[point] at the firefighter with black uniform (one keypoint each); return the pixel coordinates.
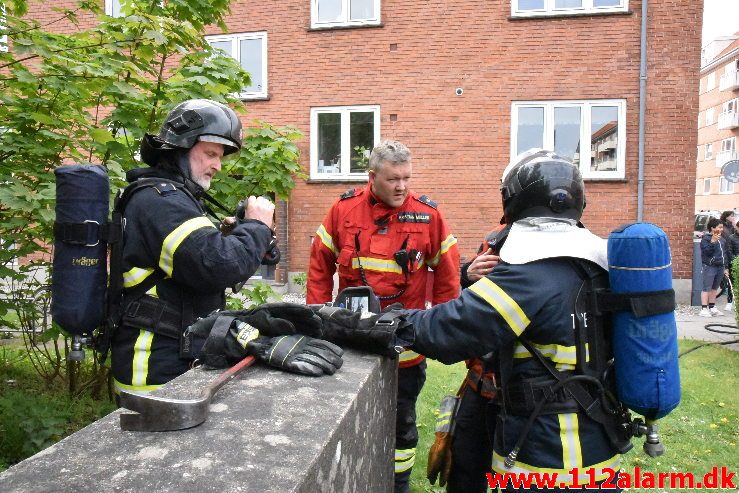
(176, 262)
(387, 237)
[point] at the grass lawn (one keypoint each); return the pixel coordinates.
(701, 433)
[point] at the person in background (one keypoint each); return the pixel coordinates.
(715, 259)
(728, 219)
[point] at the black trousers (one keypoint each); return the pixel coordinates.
(410, 383)
(472, 444)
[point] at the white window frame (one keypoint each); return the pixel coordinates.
(709, 117)
(235, 40)
(344, 172)
(345, 5)
(725, 186)
(109, 6)
(728, 145)
(708, 153)
(585, 136)
(730, 106)
(550, 9)
(731, 67)
(706, 186)
(711, 81)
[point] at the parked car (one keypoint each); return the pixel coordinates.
(701, 221)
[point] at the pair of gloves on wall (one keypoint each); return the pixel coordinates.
(296, 338)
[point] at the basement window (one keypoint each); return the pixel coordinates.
(591, 134)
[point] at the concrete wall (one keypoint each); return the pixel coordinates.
(268, 431)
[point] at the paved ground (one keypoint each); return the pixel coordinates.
(691, 326)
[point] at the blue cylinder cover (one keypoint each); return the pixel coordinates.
(79, 276)
(645, 349)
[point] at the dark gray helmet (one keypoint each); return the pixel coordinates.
(540, 183)
(191, 121)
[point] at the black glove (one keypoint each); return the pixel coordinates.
(298, 354)
(230, 340)
(367, 332)
(272, 319)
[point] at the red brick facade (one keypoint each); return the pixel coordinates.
(412, 63)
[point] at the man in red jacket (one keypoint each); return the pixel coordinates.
(386, 237)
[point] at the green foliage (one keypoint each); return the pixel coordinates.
(89, 96)
(301, 279)
(360, 156)
(33, 415)
(250, 296)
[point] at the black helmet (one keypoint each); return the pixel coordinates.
(191, 121)
(540, 183)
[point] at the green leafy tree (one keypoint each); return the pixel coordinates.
(88, 95)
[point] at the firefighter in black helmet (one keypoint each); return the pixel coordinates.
(176, 263)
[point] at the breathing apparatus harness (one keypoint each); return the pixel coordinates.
(591, 386)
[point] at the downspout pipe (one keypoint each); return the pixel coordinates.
(642, 109)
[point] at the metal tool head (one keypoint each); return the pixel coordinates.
(161, 413)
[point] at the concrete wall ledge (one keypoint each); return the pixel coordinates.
(267, 431)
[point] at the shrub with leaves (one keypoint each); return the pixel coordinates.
(74, 95)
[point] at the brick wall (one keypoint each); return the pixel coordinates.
(427, 48)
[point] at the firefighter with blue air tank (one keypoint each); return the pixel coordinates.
(176, 263)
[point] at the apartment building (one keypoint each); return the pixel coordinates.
(718, 125)
(467, 86)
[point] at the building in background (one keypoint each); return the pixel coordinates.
(468, 85)
(718, 124)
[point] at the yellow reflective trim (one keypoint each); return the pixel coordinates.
(135, 276)
(449, 242)
(553, 352)
(326, 239)
(404, 459)
(141, 389)
(493, 295)
(563, 475)
(377, 264)
(408, 355)
(569, 428)
(173, 240)
(141, 353)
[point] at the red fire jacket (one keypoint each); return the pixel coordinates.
(361, 231)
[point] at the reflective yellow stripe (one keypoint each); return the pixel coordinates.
(563, 475)
(135, 276)
(173, 240)
(449, 242)
(563, 357)
(326, 239)
(569, 428)
(141, 353)
(502, 303)
(404, 459)
(141, 389)
(443, 420)
(408, 355)
(377, 264)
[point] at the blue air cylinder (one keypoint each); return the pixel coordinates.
(644, 347)
(80, 274)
